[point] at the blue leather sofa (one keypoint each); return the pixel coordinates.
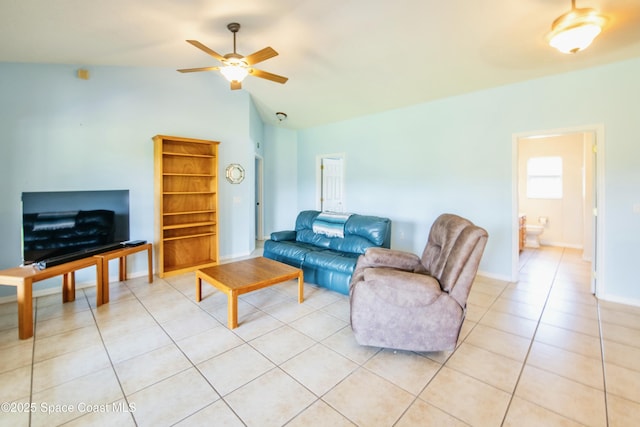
(328, 261)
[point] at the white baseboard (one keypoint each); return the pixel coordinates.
(620, 300)
(560, 244)
(494, 276)
(235, 257)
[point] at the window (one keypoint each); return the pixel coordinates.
(544, 178)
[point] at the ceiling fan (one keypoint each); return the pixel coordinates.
(236, 67)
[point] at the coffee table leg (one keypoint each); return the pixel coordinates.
(232, 310)
(300, 287)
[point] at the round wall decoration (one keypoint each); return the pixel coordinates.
(235, 173)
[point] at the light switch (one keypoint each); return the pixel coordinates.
(636, 208)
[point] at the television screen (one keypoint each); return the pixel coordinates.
(56, 223)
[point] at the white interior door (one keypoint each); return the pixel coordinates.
(332, 186)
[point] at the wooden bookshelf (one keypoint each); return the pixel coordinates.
(186, 193)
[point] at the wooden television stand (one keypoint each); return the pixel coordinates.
(24, 277)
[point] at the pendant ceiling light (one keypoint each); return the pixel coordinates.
(576, 29)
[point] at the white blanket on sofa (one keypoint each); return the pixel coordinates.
(331, 224)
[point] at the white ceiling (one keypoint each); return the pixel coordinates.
(344, 58)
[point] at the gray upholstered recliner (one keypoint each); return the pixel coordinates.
(401, 301)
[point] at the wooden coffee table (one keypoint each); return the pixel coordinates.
(237, 278)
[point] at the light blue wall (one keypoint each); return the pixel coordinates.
(455, 155)
(58, 133)
(280, 179)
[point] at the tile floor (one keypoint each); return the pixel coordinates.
(538, 352)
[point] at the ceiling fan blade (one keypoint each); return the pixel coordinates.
(236, 85)
(269, 76)
(193, 70)
(207, 50)
(261, 55)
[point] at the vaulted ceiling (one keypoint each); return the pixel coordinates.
(344, 58)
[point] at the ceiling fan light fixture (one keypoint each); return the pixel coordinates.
(234, 72)
(575, 30)
(236, 67)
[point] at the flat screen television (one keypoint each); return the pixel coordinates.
(57, 223)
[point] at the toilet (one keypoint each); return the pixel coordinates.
(533, 235)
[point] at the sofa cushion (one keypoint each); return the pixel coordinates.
(332, 260)
(315, 239)
(305, 219)
(292, 253)
(352, 244)
(373, 228)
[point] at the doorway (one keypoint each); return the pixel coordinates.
(330, 183)
(259, 212)
(592, 193)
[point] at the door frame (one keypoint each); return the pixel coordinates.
(598, 260)
(259, 196)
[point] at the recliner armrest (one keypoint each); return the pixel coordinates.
(280, 236)
(391, 258)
